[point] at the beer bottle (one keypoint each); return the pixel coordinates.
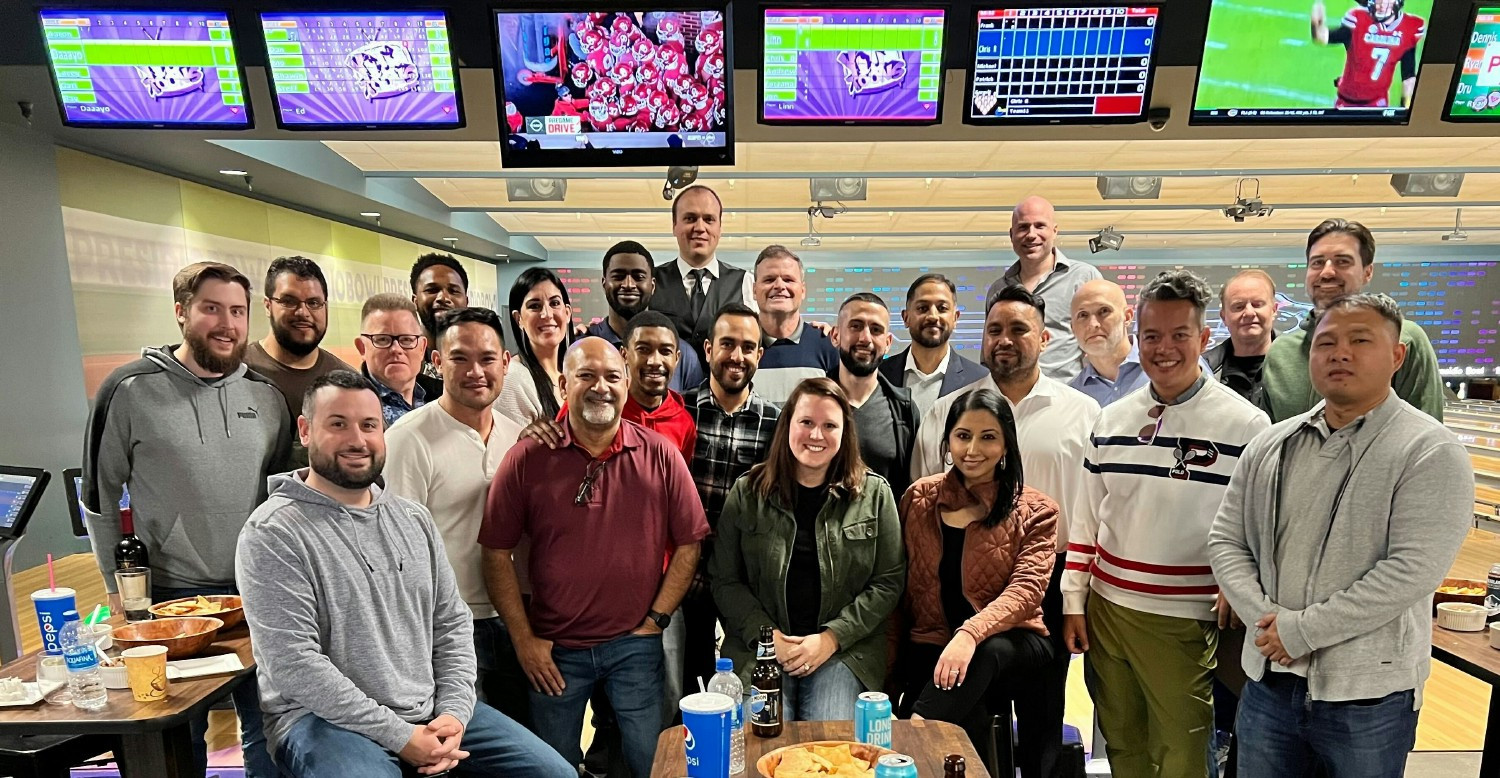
(954, 767)
(765, 688)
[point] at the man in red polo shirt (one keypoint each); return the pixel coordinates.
(597, 510)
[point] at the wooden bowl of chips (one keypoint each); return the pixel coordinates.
(1459, 590)
(822, 758)
(185, 637)
(228, 608)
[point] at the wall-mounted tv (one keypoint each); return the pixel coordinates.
(145, 69)
(1475, 93)
(852, 65)
(641, 85)
(1061, 64)
(362, 70)
(1288, 61)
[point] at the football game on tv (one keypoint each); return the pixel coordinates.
(590, 88)
(1291, 61)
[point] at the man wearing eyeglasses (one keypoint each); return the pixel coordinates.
(1157, 466)
(392, 344)
(597, 510)
(289, 355)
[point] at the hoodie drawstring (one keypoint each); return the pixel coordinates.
(224, 410)
(196, 418)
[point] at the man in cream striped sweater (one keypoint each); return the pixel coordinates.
(1138, 593)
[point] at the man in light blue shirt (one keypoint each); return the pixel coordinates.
(1110, 367)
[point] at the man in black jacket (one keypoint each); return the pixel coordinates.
(693, 287)
(884, 413)
(931, 368)
(1247, 306)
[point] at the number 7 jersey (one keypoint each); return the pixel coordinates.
(1375, 52)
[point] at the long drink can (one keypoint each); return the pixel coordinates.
(896, 766)
(872, 719)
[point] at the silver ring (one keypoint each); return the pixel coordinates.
(806, 666)
(953, 672)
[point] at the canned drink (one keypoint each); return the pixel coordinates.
(896, 766)
(872, 719)
(706, 724)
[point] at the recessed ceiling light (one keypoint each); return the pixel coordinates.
(229, 171)
(498, 254)
(370, 214)
(455, 240)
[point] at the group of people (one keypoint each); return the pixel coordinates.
(448, 553)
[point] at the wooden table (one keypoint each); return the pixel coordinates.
(154, 739)
(926, 741)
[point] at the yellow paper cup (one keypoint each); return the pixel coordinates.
(146, 666)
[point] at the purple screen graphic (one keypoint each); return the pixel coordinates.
(145, 68)
(623, 80)
(394, 69)
(852, 65)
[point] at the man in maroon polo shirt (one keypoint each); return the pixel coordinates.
(597, 512)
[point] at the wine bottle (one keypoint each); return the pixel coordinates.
(130, 552)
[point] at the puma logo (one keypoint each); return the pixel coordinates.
(248, 413)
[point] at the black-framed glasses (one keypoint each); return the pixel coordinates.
(586, 489)
(407, 342)
(1149, 432)
(292, 303)
(1193, 453)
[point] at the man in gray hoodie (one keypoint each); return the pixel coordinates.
(193, 436)
(1336, 528)
(364, 645)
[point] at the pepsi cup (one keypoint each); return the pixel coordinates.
(51, 604)
(706, 723)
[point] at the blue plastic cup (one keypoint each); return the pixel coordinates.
(51, 604)
(706, 722)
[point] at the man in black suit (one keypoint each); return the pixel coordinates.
(693, 287)
(930, 368)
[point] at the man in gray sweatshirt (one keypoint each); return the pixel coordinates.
(1337, 527)
(193, 436)
(364, 645)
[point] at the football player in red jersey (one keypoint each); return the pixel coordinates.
(1379, 37)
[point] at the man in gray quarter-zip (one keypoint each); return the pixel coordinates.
(1337, 527)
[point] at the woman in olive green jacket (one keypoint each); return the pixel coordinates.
(809, 543)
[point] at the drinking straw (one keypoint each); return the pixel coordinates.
(51, 576)
(700, 684)
(94, 617)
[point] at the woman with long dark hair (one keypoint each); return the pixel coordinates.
(809, 543)
(540, 317)
(980, 547)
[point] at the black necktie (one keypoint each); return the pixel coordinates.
(700, 296)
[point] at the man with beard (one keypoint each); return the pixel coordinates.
(629, 288)
(192, 433)
(884, 413)
(794, 349)
(930, 368)
(438, 283)
(297, 308)
(1053, 422)
(362, 636)
(1340, 261)
(444, 455)
(598, 511)
(694, 286)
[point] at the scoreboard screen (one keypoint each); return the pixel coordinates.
(1071, 64)
(146, 69)
(1475, 94)
(362, 70)
(851, 66)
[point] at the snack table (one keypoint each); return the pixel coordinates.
(926, 741)
(154, 740)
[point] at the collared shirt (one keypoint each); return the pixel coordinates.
(1053, 422)
(786, 362)
(1104, 391)
(1060, 358)
(925, 387)
(595, 567)
(440, 462)
(687, 374)
(747, 289)
(392, 405)
(728, 443)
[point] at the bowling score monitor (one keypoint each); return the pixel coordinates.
(852, 66)
(20, 492)
(1475, 93)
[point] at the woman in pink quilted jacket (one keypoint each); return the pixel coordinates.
(980, 547)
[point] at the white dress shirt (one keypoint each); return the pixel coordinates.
(925, 387)
(747, 290)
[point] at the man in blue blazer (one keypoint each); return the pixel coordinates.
(930, 368)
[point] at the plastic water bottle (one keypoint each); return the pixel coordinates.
(725, 682)
(84, 679)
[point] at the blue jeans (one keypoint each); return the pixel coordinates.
(246, 697)
(826, 695)
(1283, 733)
(630, 668)
(502, 683)
(313, 748)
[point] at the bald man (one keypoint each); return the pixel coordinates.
(1042, 269)
(615, 496)
(1110, 364)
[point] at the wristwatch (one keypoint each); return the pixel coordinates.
(661, 620)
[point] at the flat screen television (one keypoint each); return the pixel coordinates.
(636, 85)
(362, 70)
(1061, 64)
(1474, 95)
(145, 69)
(1288, 61)
(852, 65)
